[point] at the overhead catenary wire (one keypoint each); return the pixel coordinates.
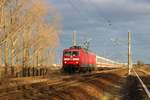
(74, 7)
(83, 13)
(78, 9)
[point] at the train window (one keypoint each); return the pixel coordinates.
(67, 53)
(71, 53)
(75, 53)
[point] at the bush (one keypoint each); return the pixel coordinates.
(140, 63)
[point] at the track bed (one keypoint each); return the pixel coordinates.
(99, 85)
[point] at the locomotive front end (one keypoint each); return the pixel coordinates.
(71, 57)
(71, 60)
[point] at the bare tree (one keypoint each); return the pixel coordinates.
(26, 35)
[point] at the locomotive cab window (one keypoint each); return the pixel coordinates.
(75, 53)
(71, 53)
(67, 53)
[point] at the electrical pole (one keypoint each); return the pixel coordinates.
(74, 38)
(129, 53)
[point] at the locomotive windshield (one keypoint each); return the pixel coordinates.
(75, 53)
(71, 53)
(67, 53)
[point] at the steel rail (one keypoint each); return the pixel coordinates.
(143, 85)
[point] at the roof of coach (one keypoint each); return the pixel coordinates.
(106, 59)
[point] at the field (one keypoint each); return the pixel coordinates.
(113, 84)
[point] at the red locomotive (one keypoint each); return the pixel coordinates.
(78, 59)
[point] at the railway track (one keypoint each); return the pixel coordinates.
(136, 86)
(146, 82)
(66, 82)
(99, 85)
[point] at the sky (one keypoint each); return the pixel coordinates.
(106, 23)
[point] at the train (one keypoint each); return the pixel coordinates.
(78, 59)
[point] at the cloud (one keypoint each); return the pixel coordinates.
(103, 20)
(132, 6)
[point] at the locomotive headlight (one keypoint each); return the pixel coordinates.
(77, 62)
(66, 58)
(65, 62)
(75, 58)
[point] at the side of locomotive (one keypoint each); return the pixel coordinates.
(78, 59)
